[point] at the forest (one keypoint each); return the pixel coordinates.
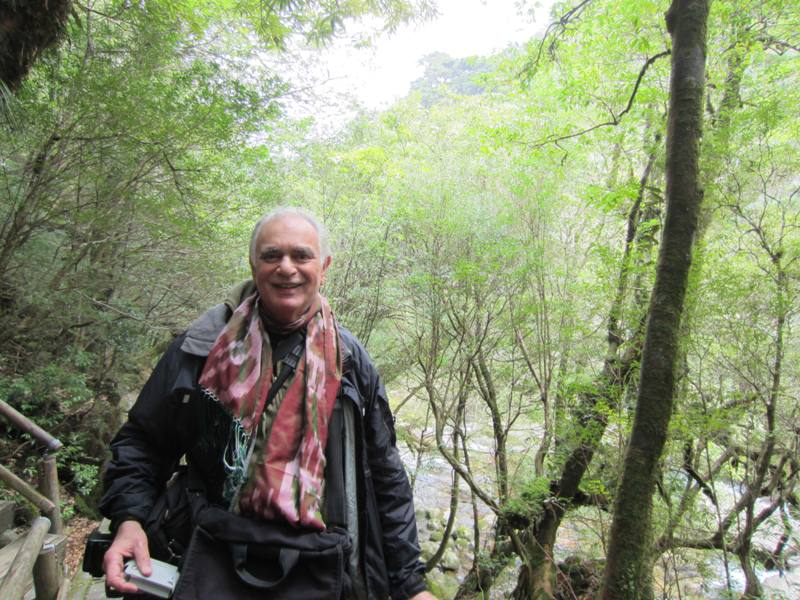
(576, 264)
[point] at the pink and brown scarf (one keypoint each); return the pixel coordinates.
(286, 478)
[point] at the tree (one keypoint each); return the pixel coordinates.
(628, 573)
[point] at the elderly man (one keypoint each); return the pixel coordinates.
(266, 457)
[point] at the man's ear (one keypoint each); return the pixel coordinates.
(325, 264)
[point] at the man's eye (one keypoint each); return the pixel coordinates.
(270, 256)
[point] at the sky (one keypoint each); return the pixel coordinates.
(334, 82)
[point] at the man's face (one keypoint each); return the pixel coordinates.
(287, 269)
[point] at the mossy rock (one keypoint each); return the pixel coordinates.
(428, 549)
(442, 585)
(449, 561)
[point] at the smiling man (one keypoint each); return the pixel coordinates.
(282, 419)
(288, 266)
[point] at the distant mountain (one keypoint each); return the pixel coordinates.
(457, 75)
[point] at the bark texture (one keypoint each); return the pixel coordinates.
(627, 574)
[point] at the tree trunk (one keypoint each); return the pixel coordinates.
(538, 582)
(628, 574)
(480, 578)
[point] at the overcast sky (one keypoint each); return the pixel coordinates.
(341, 77)
(464, 28)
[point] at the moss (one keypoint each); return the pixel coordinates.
(527, 504)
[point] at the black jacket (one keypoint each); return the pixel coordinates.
(171, 418)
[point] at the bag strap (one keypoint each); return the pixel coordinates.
(335, 498)
(288, 352)
(287, 559)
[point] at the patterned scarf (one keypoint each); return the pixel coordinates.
(286, 477)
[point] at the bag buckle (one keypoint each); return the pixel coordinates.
(175, 550)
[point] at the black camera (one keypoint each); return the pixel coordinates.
(96, 545)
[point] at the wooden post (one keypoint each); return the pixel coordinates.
(47, 574)
(16, 581)
(64, 589)
(49, 487)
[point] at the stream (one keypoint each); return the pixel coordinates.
(701, 574)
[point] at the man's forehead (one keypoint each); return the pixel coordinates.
(289, 230)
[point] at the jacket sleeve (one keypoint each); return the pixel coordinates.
(393, 492)
(146, 449)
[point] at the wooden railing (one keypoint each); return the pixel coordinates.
(48, 498)
(33, 557)
(15, 583)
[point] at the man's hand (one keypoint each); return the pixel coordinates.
(130, 542)
(426, 595)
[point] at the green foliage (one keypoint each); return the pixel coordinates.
(478, 227)
(131, 176)
(51, 388)
(60, 398)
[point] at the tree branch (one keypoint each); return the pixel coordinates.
(529, 70)
(615, 119)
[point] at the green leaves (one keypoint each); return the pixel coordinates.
(137, 159)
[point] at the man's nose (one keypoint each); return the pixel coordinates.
(286, 265)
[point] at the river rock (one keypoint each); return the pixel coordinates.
(428, 549)
(449, 561)
(443, 585)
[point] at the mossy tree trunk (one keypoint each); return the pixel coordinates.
(628, 573)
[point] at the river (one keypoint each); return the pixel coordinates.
(682, 575)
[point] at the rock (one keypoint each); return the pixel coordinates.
(428, 549)
(449, 561)
(463, 545)
(443, 585)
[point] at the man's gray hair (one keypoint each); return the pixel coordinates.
(282, 211)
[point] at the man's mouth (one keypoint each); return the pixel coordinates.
(286, 286)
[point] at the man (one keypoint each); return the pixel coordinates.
(223, 361)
